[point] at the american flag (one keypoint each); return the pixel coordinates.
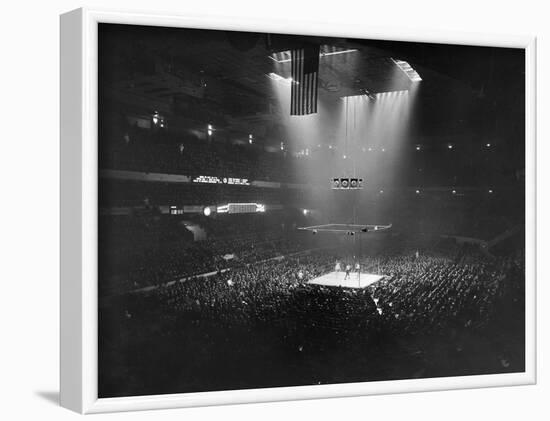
(305, 72)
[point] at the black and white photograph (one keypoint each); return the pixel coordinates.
(280, 210)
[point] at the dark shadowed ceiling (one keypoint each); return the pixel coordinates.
(203, 75)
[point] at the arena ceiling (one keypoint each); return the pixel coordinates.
(223, 76)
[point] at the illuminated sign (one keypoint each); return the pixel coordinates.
(174, 210)
(208, 179)
(241, 208)
(237, 181)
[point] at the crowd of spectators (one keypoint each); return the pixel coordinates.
(141, 252)
(166, 151)
(186, 155)
(416, 293)
(134, 193)
(444, 293)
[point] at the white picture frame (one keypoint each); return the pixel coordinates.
(79, 175)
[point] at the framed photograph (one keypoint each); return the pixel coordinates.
(264, 211)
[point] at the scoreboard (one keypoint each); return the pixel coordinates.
(346, 183)
(209, 179)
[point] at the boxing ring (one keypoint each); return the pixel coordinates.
(338, 279)
(349, 229)
(356, 278)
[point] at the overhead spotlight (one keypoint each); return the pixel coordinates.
(330, 146)
(381, 191)
(250, 139)
(345, 156)
(454, 191)
(279, 78)
(334, 52)
(417, 191)
(408, 70)
(305, 212)
(370, 149)
(367, 93)
(417, 147)
(488, 145)
(490, 191)
(383, 150)
(449, 146)
(324, 51)
(207, 211)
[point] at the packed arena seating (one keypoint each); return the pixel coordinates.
(449, 297)
(135, 193)
(165, 151)
(166, 264)
(142, 251)
(177, 154)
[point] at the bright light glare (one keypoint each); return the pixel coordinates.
(408, 70)
(279, 78)
(207, 211)
(325, 50)
(332, 53)
(383, 94)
